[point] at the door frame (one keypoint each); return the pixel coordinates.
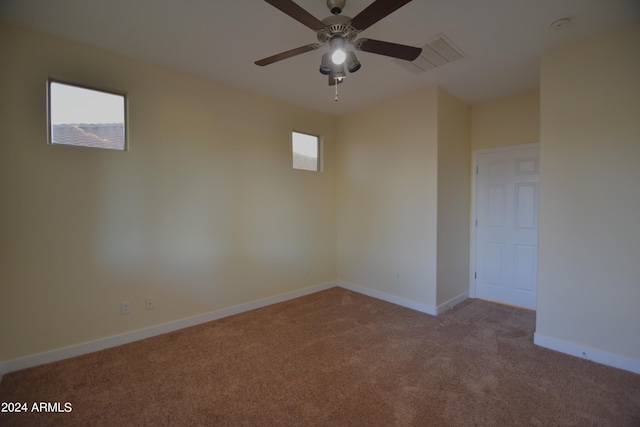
(474, 197)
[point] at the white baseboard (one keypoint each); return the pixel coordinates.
(448, 305)
(424, 308)
(128, 337)
(589, 353)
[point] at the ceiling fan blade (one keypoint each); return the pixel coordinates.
(375, 12)
(394, 50)
(332, 81)
(288, 54)
(297, 13)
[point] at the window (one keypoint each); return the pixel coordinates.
(86, 117)
(305, 151)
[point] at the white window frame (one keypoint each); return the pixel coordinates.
(50, 124)
(318, 164)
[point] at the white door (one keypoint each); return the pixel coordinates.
(506, 243)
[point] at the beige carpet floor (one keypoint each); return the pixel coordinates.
(334, 358)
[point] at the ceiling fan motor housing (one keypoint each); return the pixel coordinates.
(337, 25)
(335, 6)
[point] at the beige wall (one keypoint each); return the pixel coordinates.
(203, 212)
(387, 197)
(589, 251)
(507, 121)
(403, 197)
(454, 193)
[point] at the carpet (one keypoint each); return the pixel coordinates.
(333, 358)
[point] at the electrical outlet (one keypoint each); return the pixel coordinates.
(149, 304)
(125, 307)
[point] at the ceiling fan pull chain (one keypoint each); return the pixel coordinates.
(336, 85)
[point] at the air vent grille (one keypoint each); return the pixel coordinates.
(436, 52)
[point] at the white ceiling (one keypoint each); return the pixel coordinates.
(220, 40)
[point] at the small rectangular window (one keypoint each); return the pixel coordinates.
(306, 150)
(86, 117)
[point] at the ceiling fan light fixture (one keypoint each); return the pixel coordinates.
(338, 72)
(325, 64)
(338, 54)
(353, 64)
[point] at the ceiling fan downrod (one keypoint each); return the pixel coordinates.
(335, 6)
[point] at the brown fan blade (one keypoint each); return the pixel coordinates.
(394, 50)
(288, 54)
(375, 12)
(297, 13)
(332, 81)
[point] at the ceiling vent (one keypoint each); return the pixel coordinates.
(436, 52)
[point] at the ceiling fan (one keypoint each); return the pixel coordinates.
(340, 32)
